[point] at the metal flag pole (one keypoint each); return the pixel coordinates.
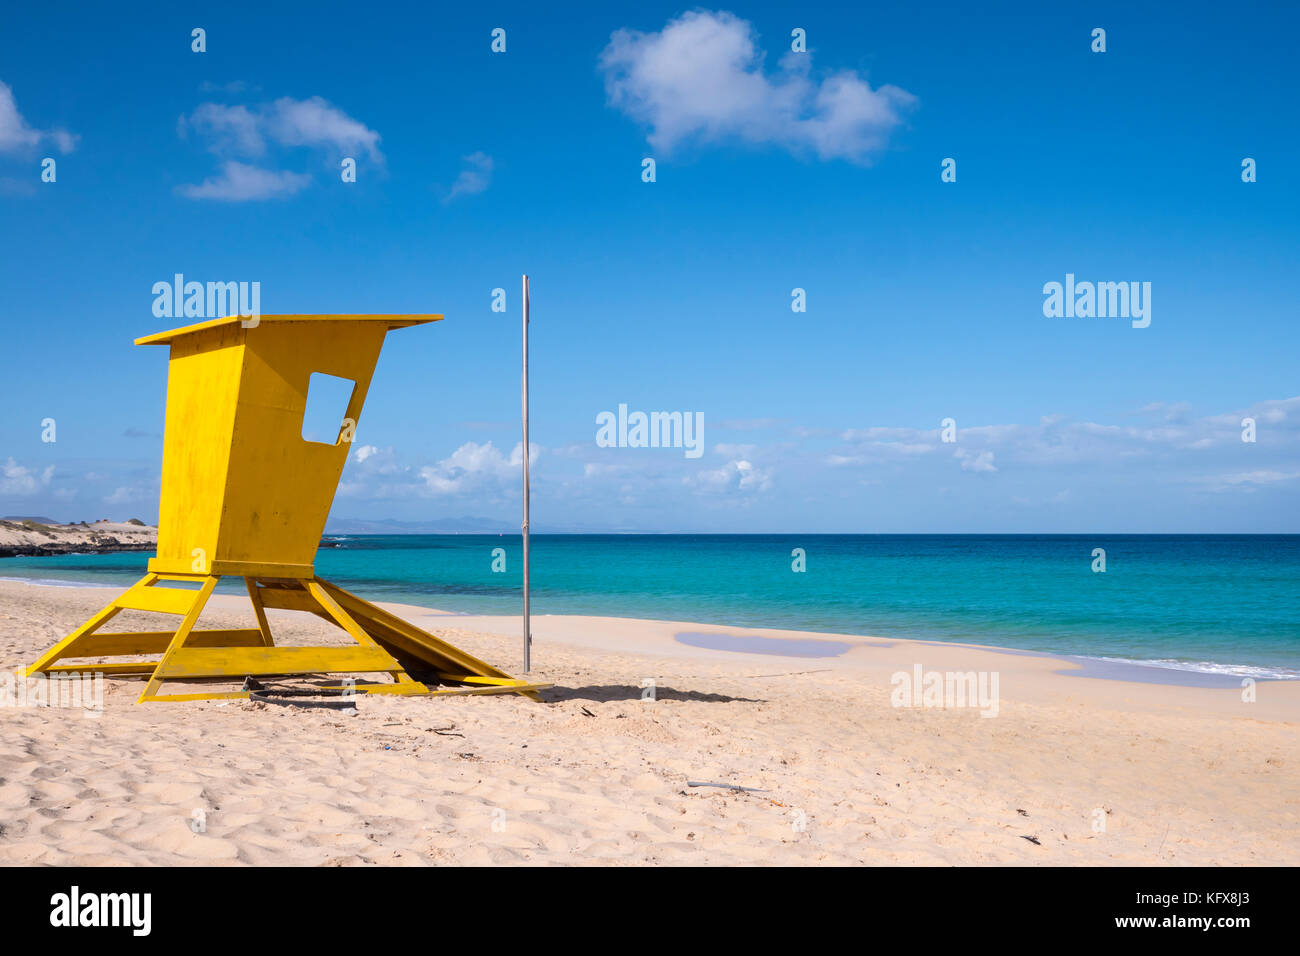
(528, 635)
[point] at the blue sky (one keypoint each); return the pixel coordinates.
(774, 171)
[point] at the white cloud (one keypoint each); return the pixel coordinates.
(378, 461)
(16, 134)
(375, 473)
(702, 77)
(245, 131)
(473, 467)
(228, 129)
(735, 476)
(1264, 477)
(1247, 480)
(878, 443)
(839, 461)
(233, 88)
(975, 461)
(1205, 451)
(1271, 412)
(1065, 469)
(314, 122)
(1175, 412)
(248, 132)
(599, 470)
(750, 424)
(727, 450)
(474, 178)
(65, 141)
(239, 182)
(19, 481)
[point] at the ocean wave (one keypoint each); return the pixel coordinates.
(58, 583)
(1204, 667)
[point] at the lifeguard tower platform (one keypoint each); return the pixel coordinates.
(245, 495)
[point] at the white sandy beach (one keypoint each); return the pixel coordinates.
(597, 774)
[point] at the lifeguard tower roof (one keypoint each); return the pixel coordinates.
(390, 322)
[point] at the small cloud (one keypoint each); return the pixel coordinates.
(1248, 480)
(374, 472)
(133, 432)
(598, 470)
(233, 88)
(975, 461)
(314, 122)
(727, 450)
(18, 480)
(1173, 412)
(65, 141)
(121, 496)
(233, 130)
(474, 178)
(735, 476)
(246, 131)
(10, 186)
(378, 461)
(16, 134)
(239, 182)
(750, 424)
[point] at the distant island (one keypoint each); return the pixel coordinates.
(34, 537)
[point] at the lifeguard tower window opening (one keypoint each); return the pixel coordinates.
(328, 397)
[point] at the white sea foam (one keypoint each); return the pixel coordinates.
(61, 583)
(1207, 667)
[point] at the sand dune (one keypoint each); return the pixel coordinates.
(1179, 775)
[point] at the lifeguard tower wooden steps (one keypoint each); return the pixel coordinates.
(245, 494)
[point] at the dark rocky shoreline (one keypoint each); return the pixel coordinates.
(49, 550)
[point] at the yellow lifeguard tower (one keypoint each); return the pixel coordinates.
(245, 494)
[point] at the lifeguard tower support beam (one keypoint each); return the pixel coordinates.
(245, 494)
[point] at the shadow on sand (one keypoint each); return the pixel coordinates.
(605, 693)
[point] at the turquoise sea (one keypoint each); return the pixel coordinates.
(1213, 603)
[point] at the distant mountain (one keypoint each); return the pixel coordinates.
(463, 525)
(36, 518)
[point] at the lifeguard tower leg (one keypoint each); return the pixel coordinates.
(65, 647)
(345, 621)
(403, 638)
(182, 632)
(262, 624)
